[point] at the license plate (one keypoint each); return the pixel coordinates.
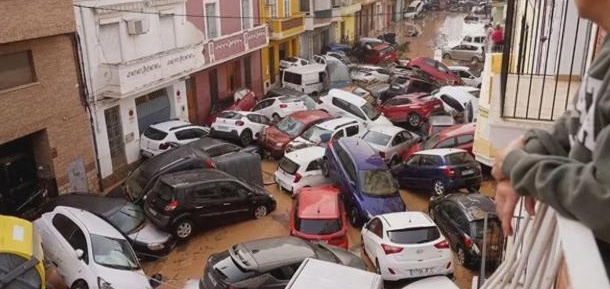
(222, 127)
(467, 172)
(421, 271)
(211, 278)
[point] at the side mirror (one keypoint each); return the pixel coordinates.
(79, 254)
(325, 137)
(155, 280)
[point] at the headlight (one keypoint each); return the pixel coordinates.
(155, 246)
(103, 284)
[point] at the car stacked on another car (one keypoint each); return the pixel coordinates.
(403, 85)
(467, 75)
(335, 127)
(390, 142)
(459, 136)
(181, 200)
(279, 107)
(435, 69)
(319, 215)
(460, 101)
(243, 100)
(301, 168)
(406, 245)
(239, 125)
(369, 73)
(160, 137)
(413, 109)
(342, 103)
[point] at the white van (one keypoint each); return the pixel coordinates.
(317, 274)
(414, 9)
(310, 79)
(339, 102)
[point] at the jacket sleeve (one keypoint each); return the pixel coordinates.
(537, 141)
(577, 190)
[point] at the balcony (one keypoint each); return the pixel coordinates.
(349, 7)
(319, 19)
(285, 28)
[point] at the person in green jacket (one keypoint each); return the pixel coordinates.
(568, 166)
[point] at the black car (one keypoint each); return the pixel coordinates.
(178, 201)
(207, 152)
(269, 263)
(461, 218)
(405, 85)
(146, 240)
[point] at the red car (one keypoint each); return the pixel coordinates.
(457, 136)
(243, 100)
(380, 53)
(318, 215)
(436, 69)
(275, 138)
(412, 108)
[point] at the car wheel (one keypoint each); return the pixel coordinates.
(439, 187)
(354, 217)
(415, 119)
(446, 56)
(260, 211)
(246, 137)
(325, 167)
(461, 255)
(183, 229)
(80, 284)
(276, 117)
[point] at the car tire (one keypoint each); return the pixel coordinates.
(447, 56)
(414, 119)
(325, 167)
(183, 229)
(438, 188)
(276, 117)
(354, 217)
(260, 211)
(79, 284)
(245, 137)
(461, 256)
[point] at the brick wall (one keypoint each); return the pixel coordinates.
(52, 106)
(21, 20)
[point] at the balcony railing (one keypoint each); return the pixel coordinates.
(286, 27)
(546, 51)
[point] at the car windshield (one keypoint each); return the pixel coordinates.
(414, 235)
(314, 133)
(370, 111)
(459, 158)
(128, 218)
(113, 253)
(288, 165)
(494, 228)
(378, 183)
(135, 183)
(429, 143)
(318, 226)
(290, 126)
(376, 137)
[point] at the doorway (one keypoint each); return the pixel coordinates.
(115, 137)
(272, 64)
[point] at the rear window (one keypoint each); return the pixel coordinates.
(230, 115)
(414, 235)
(458, 158)
(288, 165)
(377, 138)
(477, 228)
(230, 271)
(378, 183)
(164, 191)
(318, 226)
(154, 134)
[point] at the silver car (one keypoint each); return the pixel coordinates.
(466, 52)
(390, 142)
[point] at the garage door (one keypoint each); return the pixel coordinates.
(152, 108)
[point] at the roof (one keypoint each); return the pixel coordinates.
(433, 282)
(309, 68)
(348, 96)
(171, 124)
(308, 116)
(387, 129)
(184, 178)
(405, 220)
(363, 155)
(440, 152)
(474, 205)
(307, 154)
(92, 223)
(319, 203)
(97, 204)
(333, 123)
(458, 129)
(266, 254)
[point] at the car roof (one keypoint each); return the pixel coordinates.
(387, 129)
(319, 203)
(433, 282)
(473, 205)
(405, 220)
(97, 204)
(309, 68)
(458, 67)
(170, 125)
(267, 254)
(92, 223)
(189, 177)
(381, 46)
(363, 155)
(309, 116)
(415, 96)
(306, 155)
(333, 123)
(348, 96)
(440, 152)
(458, 129)
(461, 93)
(242, 112)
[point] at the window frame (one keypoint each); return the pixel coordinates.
(34, 76)
(246, 19)
(287, 8)
(217, 19)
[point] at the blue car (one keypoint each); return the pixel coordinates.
(439, 170)
(339, 47)
(363, 178)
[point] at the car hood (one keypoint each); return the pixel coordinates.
(134, 279)
(273, 134)
(347, 258)
(149, 234)
(382, 205)
(300, 142)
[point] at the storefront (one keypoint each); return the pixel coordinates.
(271, 56)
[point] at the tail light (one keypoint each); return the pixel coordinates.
(171, 206)
(283, 105)
(467, 241)
(382, 155)
(389, 249)
(442, 245)
(297, 177)
(210, 164)
(239, 123)
(449, 172)
(163, 146)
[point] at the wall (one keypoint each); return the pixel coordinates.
(231, 9)
(20, 20)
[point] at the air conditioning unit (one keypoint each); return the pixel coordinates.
(270, 2)
(137, 26)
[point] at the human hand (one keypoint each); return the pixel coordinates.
(496, 170)
(506, 202)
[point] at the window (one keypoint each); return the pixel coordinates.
(273, 11)
(211, 20)
(414, 160)
(375, 227)
(287, 8)
(292, 78)
(190, 133)
(398, 139)
(465, 139)
(222, 149)
(446, 144)
(227, 191)
(286, 272)
(205, 193)
(351, 130)
(431, 160)
(246, 14)
(72, 233)
(263, 104)
(414, 235)
(313, 166)
(16, 69)
(338, 135)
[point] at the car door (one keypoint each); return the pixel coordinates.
(406, 172)
(429, 169)
(265, 107)
(313, 174)
(68, 237)
(234, 197)
(257, 123)
(399, 144)
(372, 237)
(353, 130)
(203, 202)
(392, 109)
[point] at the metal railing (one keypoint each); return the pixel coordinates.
(545, 53)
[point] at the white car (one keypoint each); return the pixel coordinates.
(293, 61)
(435, 282)
(88, 251)
(301, 168)
(459, 100)
(414, 9)
(467, 76)
(279, 107)
(335, 128)
(244, 126)
(406, 245)
(369, 73)
(342, 103)
(162, 136)
(390, 142)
